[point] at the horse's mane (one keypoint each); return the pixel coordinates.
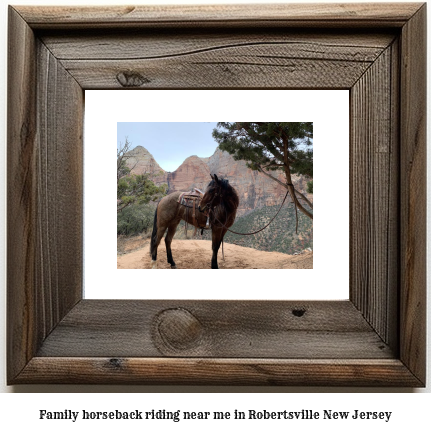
(230, 200)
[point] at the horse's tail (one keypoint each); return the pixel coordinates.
(154, 234)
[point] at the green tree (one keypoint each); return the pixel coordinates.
(270, 147)
(134, 188)
(135, 219)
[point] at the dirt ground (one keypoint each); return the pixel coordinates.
(196, 254)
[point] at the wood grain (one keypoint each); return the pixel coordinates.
(413, 194)
(228, 329)
(59, 163)
(140, 45)
(392, 303)
(300, 15)
(21, 194)
(197, 371)
(44, 193)
(377, 338)
(262, 66)
(374, 194)
(253, 59)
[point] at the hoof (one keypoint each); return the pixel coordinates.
(154, 264)
(174, 267)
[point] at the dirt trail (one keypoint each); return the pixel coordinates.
(196, 254)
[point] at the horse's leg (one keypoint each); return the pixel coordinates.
(167, 213)
(168, 240)
(156, 237)
(217, 237)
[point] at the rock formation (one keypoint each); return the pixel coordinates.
(141, 161)
(255, 190)
(193, 172)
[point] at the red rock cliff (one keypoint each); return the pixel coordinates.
(254, 189)
(141, 161)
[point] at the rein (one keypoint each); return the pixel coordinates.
(210, 209)
(255, 232)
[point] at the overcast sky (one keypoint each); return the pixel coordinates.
(169, 143)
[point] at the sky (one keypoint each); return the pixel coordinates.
(169, 143)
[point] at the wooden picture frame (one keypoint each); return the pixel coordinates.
(376, 338)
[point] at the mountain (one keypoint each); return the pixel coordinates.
(141, 161)
(193, 172)
(255, 190)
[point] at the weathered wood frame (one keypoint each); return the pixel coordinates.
(377, 338)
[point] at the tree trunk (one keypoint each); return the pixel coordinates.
(289, 178)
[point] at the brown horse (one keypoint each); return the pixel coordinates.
(219, 204)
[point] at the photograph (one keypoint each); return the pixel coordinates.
(197, 195)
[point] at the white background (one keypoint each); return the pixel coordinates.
(21, 410)
(329, 278)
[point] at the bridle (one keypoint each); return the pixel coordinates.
(209, 205)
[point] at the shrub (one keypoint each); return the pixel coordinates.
(135, 219)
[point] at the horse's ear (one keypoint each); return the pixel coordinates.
(215, 178)
(212, 176)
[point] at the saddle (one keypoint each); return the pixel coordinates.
(191, 201)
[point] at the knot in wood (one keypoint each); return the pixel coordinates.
(178, 329)
(131, 79)
(298, 312)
